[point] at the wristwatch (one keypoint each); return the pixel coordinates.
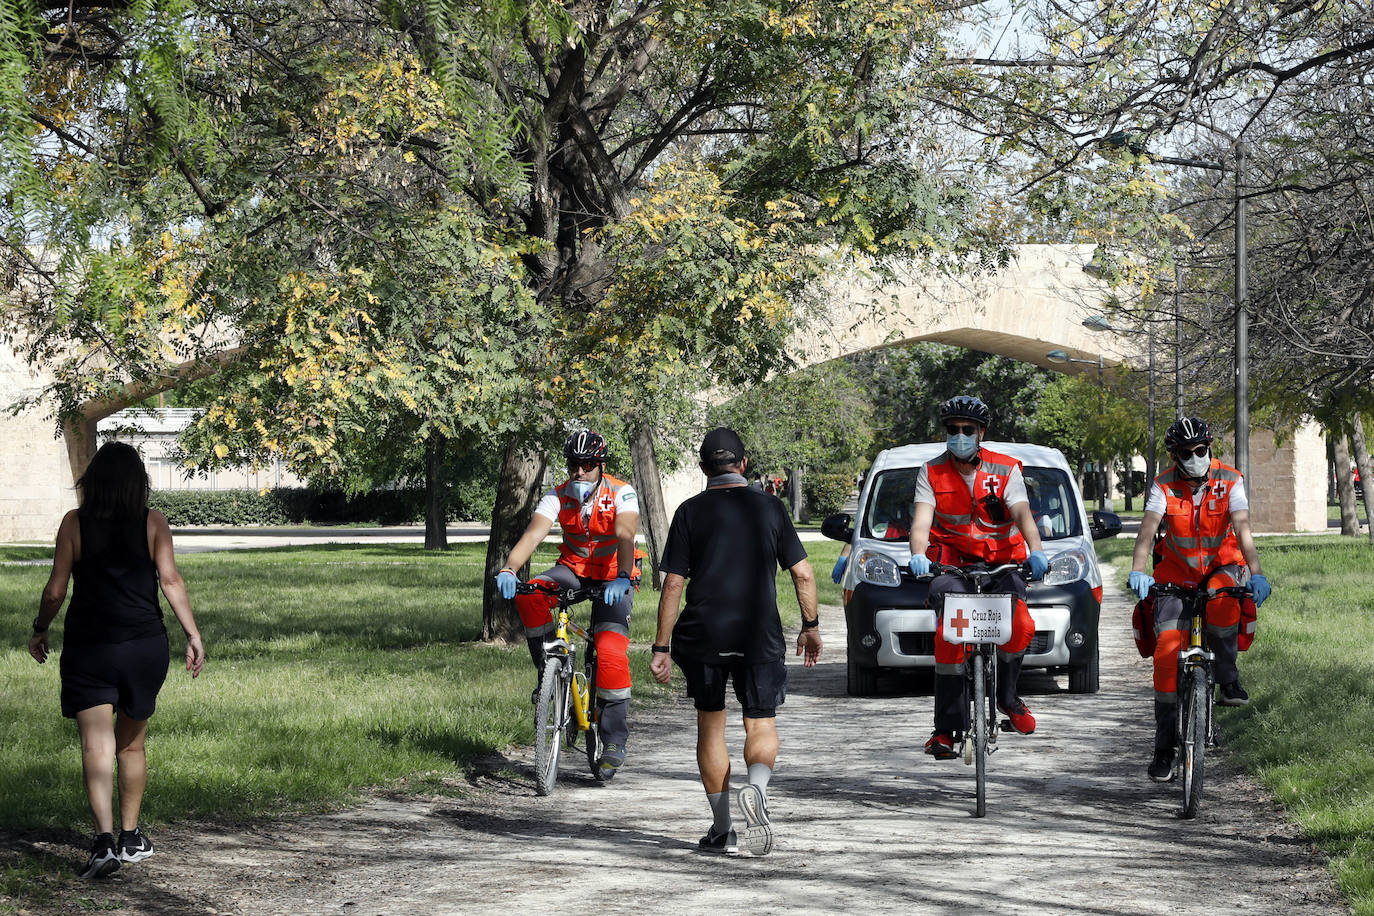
(37, 629)
(812, 623)
(657, 648)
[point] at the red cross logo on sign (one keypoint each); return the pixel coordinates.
(960, 622)
(991, 482)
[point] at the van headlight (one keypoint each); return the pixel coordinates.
(1066, 567)
(877, 568)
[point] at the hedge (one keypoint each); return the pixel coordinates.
(826, 493)
(299, 505)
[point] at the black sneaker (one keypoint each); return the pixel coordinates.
(1161, 768)
(134, 845)
(1232, 694)
(104, 859)
(721, 844)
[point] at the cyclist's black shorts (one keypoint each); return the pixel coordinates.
(127, 675)
(760, 688)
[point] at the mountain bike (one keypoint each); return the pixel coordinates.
(1196, 728)
(566, 701)
(981, 620)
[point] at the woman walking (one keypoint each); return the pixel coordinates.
(114, 647)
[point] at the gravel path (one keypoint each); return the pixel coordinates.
(865, 822)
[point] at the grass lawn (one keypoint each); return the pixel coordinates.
(1306, 733)
(331, 669)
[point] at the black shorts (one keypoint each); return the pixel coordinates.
(126, 675)
(760, 688)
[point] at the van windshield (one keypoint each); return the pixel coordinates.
(1052, 502)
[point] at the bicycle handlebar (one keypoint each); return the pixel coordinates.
(1183, 591)
(565, 594)
(945, 568)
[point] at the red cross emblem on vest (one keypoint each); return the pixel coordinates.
(991, 482)
(1219, 489)
(960, 622)
(606, 502)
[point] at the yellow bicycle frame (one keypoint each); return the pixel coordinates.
(580, 699)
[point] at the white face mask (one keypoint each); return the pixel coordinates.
(1194, 466)
(581, 488)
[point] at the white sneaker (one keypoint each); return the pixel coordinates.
(757, 837)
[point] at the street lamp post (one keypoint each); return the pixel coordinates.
(1100, 323)
(1059, 356)
(1242, 321)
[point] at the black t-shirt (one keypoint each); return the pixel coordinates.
(729, 543)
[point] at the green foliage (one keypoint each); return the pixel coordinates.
(297, 506)
(817, 419)
(825, 493)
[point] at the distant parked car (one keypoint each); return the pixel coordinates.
(890, 626)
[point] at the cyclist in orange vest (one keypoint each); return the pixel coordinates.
(599, 515)
(1202, 512)
(971, 507)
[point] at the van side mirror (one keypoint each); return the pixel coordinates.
(838, 527)
(1104, 524)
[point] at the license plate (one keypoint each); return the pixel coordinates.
(978, 618)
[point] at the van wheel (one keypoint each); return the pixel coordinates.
(1083, 679)
(861, 682)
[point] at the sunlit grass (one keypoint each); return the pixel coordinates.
(331, 669)
(1310, 674)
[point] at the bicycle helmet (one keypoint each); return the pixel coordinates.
(584, 445)
(964, 407)
(1187, 431)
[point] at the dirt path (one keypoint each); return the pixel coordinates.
(865, 822)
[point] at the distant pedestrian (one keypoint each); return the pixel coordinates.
(114, 643)
(729, 541)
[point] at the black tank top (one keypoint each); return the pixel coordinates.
(114, 598)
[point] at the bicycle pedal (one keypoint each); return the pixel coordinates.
(1005, 725)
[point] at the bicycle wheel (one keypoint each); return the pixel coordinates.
(550, 716)
(593, 726)
(980, 730)
(1193, 707)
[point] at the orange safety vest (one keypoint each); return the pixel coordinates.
(980, 529)
(590, 546)
(1196, 539)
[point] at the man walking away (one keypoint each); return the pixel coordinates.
(729, 541)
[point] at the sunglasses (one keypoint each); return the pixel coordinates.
(1198, 450)
(583, 465)
(955, 429)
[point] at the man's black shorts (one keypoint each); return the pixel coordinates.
(760, 688)
(126, 675)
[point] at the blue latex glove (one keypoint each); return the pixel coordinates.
(1140, 583)
(919, 565)
(1039, 564)
(837, 573)
(505, 583)
(617, 590)
(1260, 586)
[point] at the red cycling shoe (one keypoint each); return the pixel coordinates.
(1020, 716)
(941, 746)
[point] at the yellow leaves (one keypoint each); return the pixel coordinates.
(221, 451)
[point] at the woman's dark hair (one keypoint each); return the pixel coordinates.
(115, 484)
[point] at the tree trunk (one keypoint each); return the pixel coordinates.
(1126, 482)
(1357, 442)
(1345, 485)
(653, 509)
(436, 499)
(516, 494)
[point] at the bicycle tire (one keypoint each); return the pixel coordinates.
(980, 732)
(593, 726)
(1193, 705)
(550, 717)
